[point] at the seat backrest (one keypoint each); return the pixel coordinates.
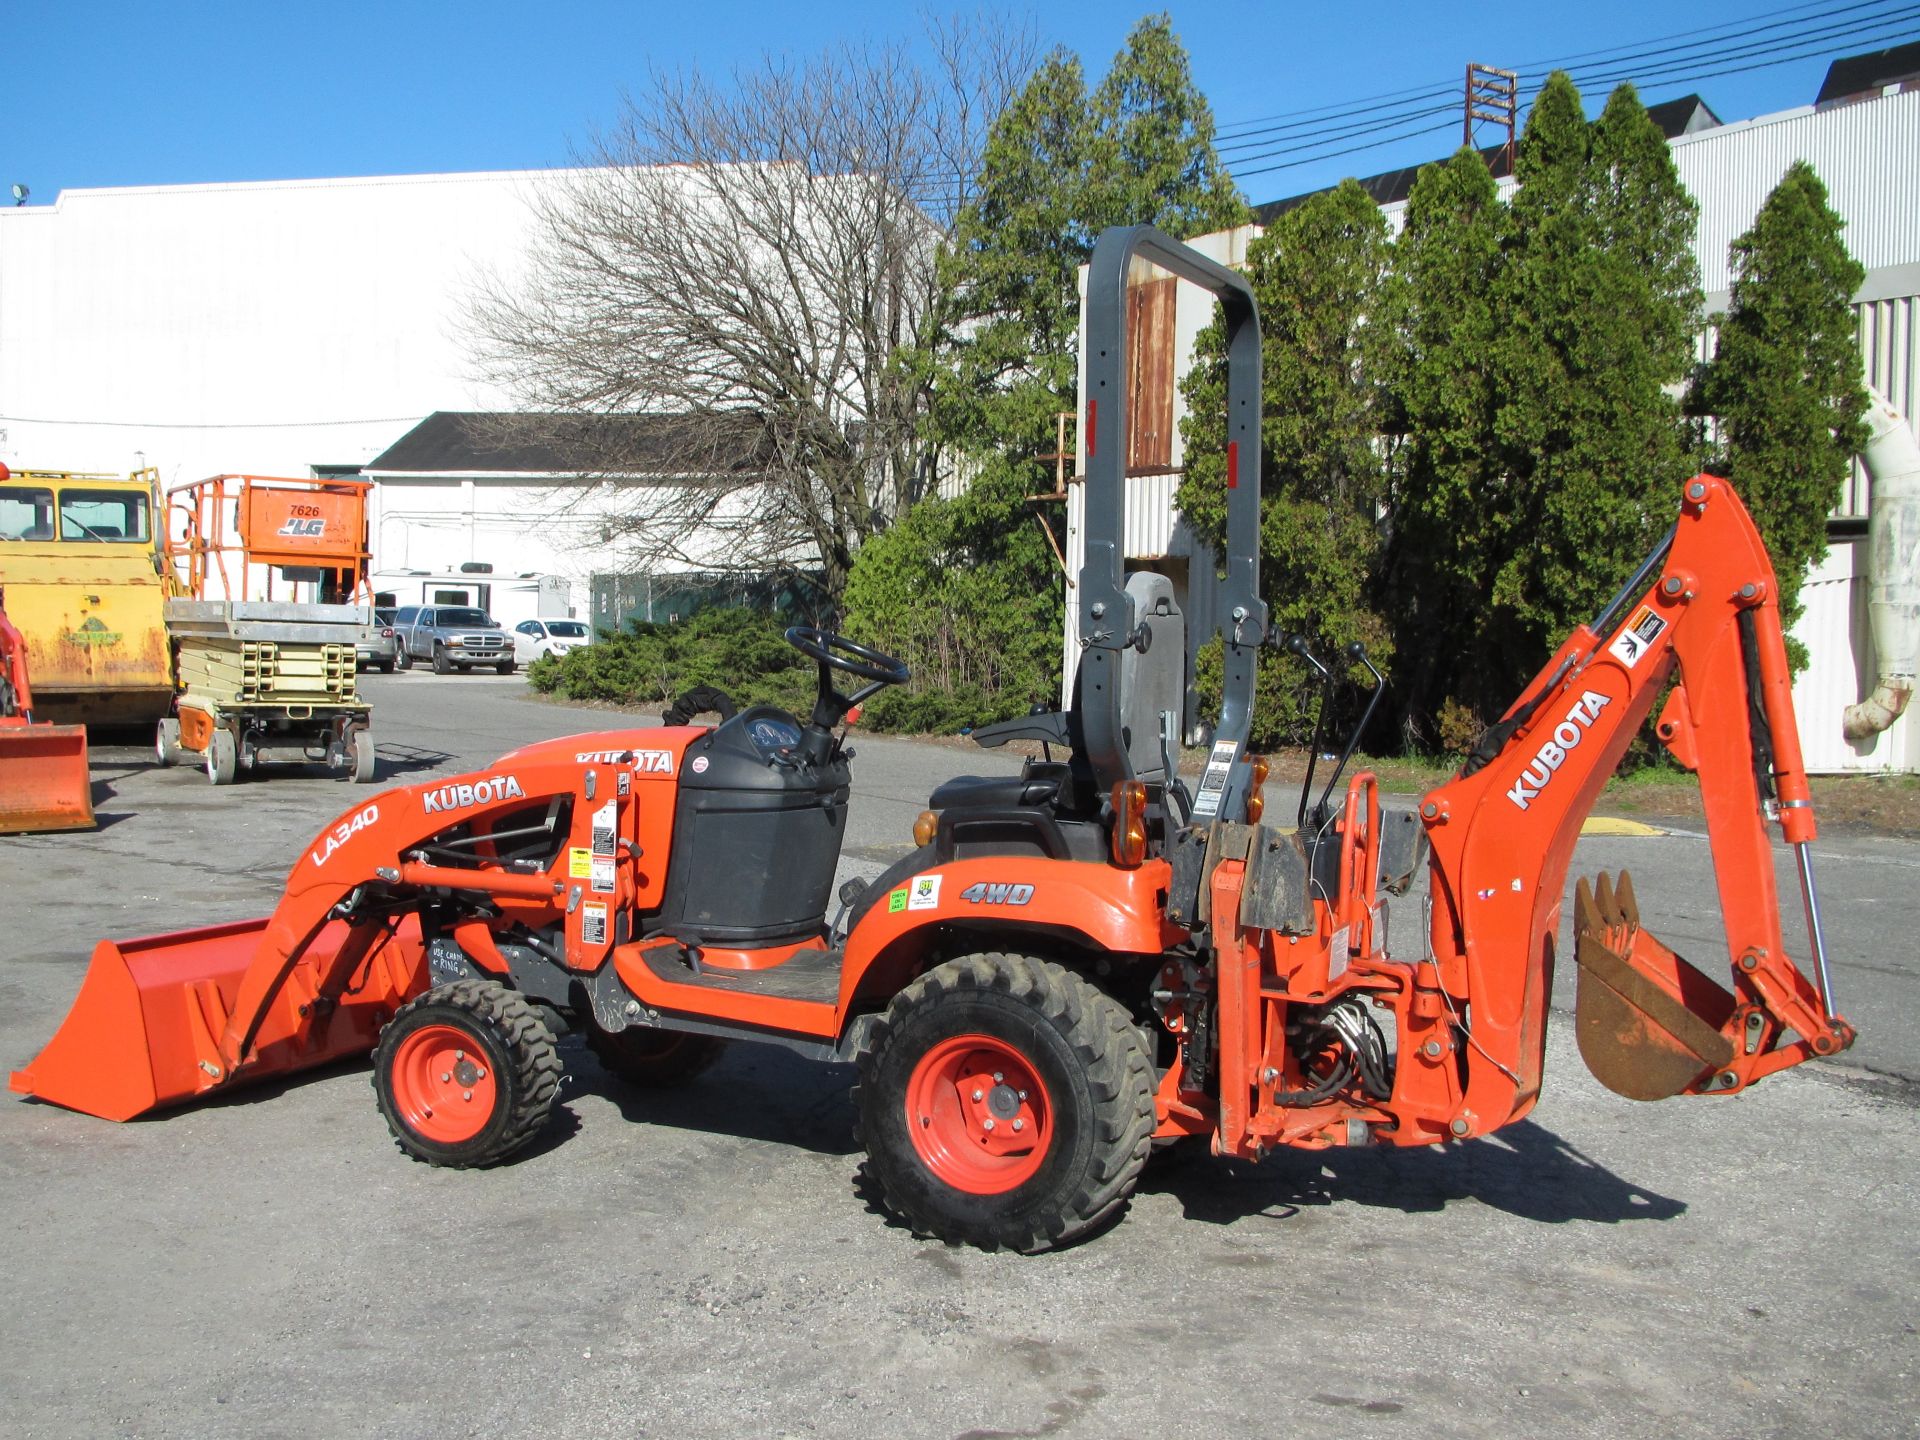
(1156, 682)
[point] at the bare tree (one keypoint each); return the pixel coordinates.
(755, 259)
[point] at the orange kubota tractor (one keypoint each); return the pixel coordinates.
(1078, 960)
(43, 768)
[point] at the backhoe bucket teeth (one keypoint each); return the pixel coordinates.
(1649, 1023)
(146, 1029)
(43, 779)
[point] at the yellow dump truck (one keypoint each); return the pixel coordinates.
(80, 559)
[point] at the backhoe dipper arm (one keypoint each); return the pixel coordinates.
(1704, 613)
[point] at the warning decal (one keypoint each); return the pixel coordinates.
(1638, 638)
(1213, 783)
(593, 924)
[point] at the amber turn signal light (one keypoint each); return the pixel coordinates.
(1129, 823)
(1257, 802)
(925, 826)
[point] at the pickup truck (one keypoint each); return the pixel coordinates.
(451, 637)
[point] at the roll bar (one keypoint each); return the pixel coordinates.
(1107, 622)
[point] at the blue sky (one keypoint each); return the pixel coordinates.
(148, 93)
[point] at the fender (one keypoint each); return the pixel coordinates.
(1109, 908)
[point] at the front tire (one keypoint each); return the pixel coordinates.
(441, 664)
(166, 740)
(465, 1074)
(403, 660)
(505, 667)
(1006, 1102)
(223, 757)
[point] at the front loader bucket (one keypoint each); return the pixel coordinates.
(43, 779)
(145, 1030)
(1650, 1024)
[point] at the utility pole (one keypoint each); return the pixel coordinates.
(1492, 95)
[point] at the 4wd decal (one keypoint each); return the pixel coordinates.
(1637, 639)
(987, 893)
(342, 833)
(1567, 736)
(481, 792)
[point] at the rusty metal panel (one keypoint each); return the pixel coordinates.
(1150, 375)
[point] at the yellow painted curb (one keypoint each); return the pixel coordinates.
(1612, 825)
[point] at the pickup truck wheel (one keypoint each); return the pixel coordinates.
(441, 664)
(1005, 1102)
(465, 1074)
(505, 667)
(403, 660)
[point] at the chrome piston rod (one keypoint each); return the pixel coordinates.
(1810, 898)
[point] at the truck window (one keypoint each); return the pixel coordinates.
(26, 514)
(119, 516)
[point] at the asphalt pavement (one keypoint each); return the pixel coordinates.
(707, 1262)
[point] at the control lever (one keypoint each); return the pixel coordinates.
(1296, 645)
(1355, 654)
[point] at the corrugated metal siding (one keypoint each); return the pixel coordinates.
(1865, 155)
(1841, 671)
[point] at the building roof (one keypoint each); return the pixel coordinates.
(1863, 77)
(1684, 116)
(470, 442)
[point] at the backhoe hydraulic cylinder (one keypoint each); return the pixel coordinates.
(1810, 898)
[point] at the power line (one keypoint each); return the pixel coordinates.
(236, 425)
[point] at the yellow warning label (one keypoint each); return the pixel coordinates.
(579, 863)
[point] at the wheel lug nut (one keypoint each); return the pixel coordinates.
(1019, 1125)
(976, 1095)
(1023, 1094)
(998, 1078)
(466, 1094)
(459, 1054)
(445, 1076)
(986, 1124)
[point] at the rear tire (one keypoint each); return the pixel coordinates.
(1060, 1132)
(166, 740)
(654, 1059)
(441, 665)
(223, 757)
(465, 1074)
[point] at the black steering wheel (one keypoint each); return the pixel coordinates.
(836, 652)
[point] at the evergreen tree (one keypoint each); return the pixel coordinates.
(1596, 301)
(1785, 376)
(1319, 277)
(1059, 167)
(1448, 532)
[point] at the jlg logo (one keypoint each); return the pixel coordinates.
(1567, 736)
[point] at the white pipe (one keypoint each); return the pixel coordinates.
(1892, 458)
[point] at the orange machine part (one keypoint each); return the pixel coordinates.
(44, 784)
(145, 1029)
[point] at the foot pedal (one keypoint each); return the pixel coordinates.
(1650, 1024)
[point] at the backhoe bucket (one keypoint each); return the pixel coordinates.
(1650, 1024)
(43, 779)
(145, 1030)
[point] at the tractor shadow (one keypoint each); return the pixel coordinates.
(392, 761)
(755, 1092)
(1525, 1170)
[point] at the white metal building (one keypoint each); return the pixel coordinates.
(1868, 155)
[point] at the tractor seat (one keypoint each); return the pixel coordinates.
(1038, 785)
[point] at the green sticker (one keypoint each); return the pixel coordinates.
(896, 902)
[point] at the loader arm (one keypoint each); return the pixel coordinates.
(1703, 612)
(163, 1019)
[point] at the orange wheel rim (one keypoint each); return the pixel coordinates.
(979, 1117)
(443, 1084)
